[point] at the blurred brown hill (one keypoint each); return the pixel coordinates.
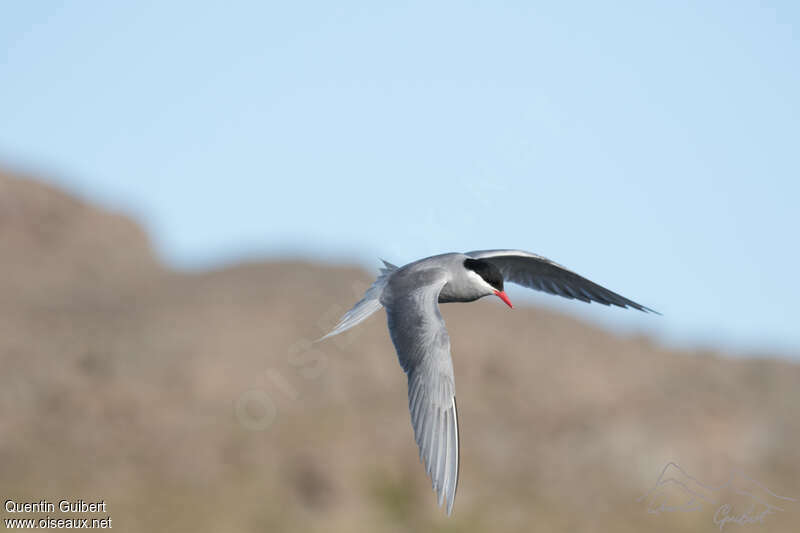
(196, 401)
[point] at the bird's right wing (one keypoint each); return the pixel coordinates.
(423, 348)
(537, 272)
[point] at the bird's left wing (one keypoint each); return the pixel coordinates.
(537, 272)
(423, 348)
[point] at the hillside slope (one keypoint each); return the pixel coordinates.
(196, 402)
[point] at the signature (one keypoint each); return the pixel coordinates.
(723, 516)
(677, 491)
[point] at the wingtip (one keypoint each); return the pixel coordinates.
(450, 500)
(635, 306)
(446, 500)
(648, 310)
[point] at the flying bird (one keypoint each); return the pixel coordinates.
(411, 295)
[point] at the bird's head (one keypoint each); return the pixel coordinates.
(486, 276)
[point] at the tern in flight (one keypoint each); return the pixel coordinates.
(411, 295)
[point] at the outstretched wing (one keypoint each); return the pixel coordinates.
(537, 272)
(423, 348)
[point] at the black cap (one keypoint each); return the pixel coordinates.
(487, 271)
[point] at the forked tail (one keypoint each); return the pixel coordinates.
(367, 305)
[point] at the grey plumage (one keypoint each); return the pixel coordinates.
(537, 272)
(411, 295)
(423, 349)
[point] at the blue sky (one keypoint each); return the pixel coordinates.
(653, 147)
